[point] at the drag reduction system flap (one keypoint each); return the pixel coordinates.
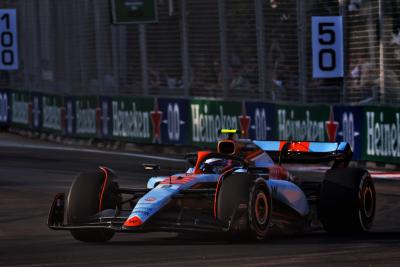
(307, 152)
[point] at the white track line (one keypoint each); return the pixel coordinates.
(88, 150)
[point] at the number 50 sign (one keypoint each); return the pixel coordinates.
(327, 47)
(8, 40)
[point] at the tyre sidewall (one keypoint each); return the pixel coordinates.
(259, 223)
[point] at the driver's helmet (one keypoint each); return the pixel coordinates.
(213, 165)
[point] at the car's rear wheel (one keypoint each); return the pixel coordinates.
(260, 209)
(89, 194)
(347, 202)
(244, 203)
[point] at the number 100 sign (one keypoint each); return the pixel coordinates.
(327, 47)
(8, 40)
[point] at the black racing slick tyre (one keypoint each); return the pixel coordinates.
(89, 194)
(347, 202)
(243, 202)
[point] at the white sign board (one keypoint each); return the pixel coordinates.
(327, 47)
(8, 40)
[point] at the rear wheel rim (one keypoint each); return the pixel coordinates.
(261, 208)
(368, 201)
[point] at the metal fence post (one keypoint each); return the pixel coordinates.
(114, 47)
(259, 5)
(222, 38)
(301, 50)
(99, 56)
(143, 58)
(185, 50)
(342, 12)
(381, 52)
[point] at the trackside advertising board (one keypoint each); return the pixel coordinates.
(131, 118)
(82, 116)
(4, 107)
(207, 116)
(20, 108)
(381, 134)
(53, 113)
(170, 120)
(106, 122)
(310, 123)
(348, 121)
(36, 111)
(372, 131)
(258, 120)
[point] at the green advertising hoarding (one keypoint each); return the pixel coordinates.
(52, 113)
(134, 11)
(207, 116)
(131, 118)
(381, 134)
(86, 117)
(302, 122)
(20, 108)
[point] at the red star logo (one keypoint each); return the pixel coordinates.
(156, 116)
(244, 121)
(331, 127)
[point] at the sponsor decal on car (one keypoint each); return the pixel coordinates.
(150, 199)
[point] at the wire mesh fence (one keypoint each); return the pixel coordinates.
(205, 48)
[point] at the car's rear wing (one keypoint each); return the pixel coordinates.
(307, 152)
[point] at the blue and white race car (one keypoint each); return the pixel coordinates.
(247, 189)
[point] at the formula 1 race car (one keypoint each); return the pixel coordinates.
(247, 189)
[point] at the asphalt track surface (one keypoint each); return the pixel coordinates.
(31, 175)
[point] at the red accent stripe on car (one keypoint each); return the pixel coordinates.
(220, 178)
(103, 187)
(254, 154)
(178, 179)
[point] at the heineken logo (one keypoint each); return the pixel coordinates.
(20, 110)
(51, 114)
(130, 122)
(290, 128)
(85, 117)
(205, 125)
(383, 138)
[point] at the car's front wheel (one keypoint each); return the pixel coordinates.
(89, 194)
(244, 203)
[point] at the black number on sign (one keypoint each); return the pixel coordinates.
(6, 18)
(7, 57)
(323, 53)
(6, 39)
(322, 30)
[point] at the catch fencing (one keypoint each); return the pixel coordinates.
(226, 49)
